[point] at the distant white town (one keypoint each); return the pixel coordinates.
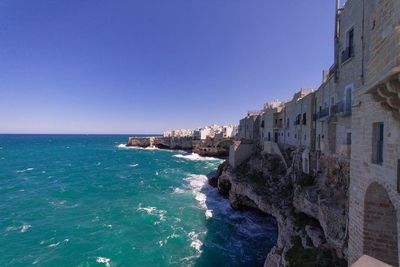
(211, 131)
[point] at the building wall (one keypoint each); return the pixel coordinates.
(374, 224)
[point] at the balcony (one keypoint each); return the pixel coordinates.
(347, 53)
(341, 108)
(322, 113)
(332, 70)
(337, 108)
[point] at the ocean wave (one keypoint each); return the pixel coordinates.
(58, 243)
(178, 190)
(151, 148)
(124, 146)
(196, 157)
(106, 261)
(133, 165)
(26, 170)
(25, 227)
(196, 243)
(153, 211)
(200, 188)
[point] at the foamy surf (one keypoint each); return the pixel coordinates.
(199, 185)
(124, 146)
(25, 227)
(196, 157)
(153, 211)
(26, 170)
(195, 242)
(106, 261)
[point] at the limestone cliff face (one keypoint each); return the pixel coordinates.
(210, 147)
(311, 211)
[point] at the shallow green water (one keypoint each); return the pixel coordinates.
(76, 200)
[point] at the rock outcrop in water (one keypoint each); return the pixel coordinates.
(311, 210)
(210, 147)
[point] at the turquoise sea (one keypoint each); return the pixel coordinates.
(87, 200)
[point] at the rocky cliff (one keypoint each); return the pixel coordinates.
(311, 210)
(210, 147)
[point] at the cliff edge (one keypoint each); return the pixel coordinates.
(311, 210)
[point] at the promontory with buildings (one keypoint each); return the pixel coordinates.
(326, 163)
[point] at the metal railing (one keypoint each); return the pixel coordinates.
(322, 113)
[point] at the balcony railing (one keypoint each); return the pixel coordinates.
(347, 53)
(341, 108)
(337, 108)
(332, 70)
(322, 113)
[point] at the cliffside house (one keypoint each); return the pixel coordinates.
(354, 116)
(249, 127)
(374, 223)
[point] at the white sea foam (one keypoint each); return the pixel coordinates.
(197, 157)
(26, 170)
(153, 211)
(106, 261)
(12, 228)
(25, 228)
(148, 210)
(196, 243)
(124, 146)
(58, 243)
(151, 148)
(133, 165)
(54, 245)
(198, 184)
(209, 214)
(178, 191)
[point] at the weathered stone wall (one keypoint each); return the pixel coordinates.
(368, 223)
(239, 152)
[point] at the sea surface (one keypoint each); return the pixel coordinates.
(87, 200)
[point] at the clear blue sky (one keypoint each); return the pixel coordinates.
(145, 66)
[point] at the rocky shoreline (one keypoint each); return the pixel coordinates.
(311, 210)
(210, 147)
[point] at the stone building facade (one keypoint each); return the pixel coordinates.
(374, 223)
(354, 116)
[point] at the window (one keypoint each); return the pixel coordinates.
(349, 51)
(319, 141)
(348, 139)
(305, 137)
(377, 143)
(348, 99)
(287, 123)
(269, 136)
(304, 118)
(262, 124)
